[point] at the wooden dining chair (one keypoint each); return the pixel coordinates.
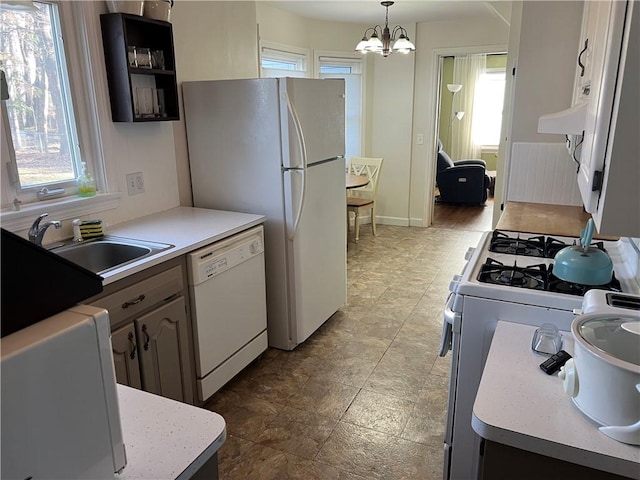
(363, 198)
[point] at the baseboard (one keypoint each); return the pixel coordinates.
(395, 221)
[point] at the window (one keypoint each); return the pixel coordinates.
(487, 108)
(283, 61)
(351, 71)
(39, 122)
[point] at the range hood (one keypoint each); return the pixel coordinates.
(567, 122)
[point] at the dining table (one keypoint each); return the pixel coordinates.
(356, 181)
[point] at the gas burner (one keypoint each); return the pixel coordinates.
(529, 247)
(532, 277)
(512, 277)
(561, 286)
(553, 246)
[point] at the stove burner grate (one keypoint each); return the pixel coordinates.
(561, 286)
(536, 277)
(532, 277)
(529, 247)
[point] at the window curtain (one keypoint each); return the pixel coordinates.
(466, 72)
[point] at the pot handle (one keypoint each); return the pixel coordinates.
(587, 234)
(628, 434)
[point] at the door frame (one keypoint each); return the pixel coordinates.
(434, 107)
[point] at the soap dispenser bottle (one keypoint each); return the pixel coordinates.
(86, 183)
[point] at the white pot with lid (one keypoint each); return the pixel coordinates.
(603, 377)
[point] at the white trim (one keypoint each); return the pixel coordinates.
(80, 85)
(286, 50)
(67, 207)
(347, 57)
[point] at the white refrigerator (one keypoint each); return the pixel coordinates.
(276, 147)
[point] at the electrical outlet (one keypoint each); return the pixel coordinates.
(420, 139)
(135, 183)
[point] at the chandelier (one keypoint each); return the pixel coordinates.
(381, 39)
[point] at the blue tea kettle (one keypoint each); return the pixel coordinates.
(583, 263)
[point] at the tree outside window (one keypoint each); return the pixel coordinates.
(39, 112)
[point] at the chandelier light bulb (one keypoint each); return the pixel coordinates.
(383, 41)
(362, 45)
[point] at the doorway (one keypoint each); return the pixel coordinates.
(468, 122)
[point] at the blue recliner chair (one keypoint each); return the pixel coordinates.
(461, 182)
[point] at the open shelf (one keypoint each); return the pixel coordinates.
(140, 93)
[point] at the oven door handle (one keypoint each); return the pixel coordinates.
(449, 320)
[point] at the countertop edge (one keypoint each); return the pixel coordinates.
(139, 229)
(509, 433)
(140, 429)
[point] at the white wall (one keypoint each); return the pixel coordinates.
(546, 54)
(391, 115)
(549, 36)
(130, 147)
(212, 41)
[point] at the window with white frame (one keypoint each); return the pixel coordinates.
(40, 126)
(282, 61)
(487, 108)
(350, 69)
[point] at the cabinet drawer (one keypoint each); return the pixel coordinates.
(133, 300)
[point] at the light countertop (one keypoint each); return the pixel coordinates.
(186, 228)
(165, 439)
(518, 405)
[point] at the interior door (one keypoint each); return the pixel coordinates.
(317, 253)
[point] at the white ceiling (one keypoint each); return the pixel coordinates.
(403, 11)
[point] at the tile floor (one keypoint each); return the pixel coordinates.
(365, 396)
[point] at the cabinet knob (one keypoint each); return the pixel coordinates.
(134, 347)
(147, 339)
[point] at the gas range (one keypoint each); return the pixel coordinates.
(509, 277)
(518, 267)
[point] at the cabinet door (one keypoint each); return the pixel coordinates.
(164, 351)
(125, 356)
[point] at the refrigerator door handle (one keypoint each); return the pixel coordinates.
(303, 169)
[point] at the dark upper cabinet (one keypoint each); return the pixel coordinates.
(141, 68)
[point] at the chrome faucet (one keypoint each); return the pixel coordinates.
(37, 231)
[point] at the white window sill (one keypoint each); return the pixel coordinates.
(68, 207)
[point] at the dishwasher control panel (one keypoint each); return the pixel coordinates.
(219, 257)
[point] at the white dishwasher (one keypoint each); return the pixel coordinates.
(228, 306)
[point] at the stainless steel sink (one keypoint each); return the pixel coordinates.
(106, 253)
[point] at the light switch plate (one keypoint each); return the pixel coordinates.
(135, 183)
